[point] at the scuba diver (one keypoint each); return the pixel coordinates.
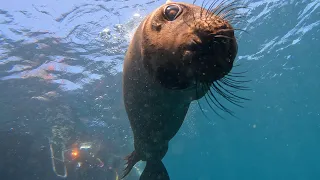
(89, 160)
(27, 156)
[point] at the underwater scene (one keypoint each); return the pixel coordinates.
(156, 89)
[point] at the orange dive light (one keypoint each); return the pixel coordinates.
(75, 153)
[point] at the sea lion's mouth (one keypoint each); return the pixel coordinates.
(210, 59)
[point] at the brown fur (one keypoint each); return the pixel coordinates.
(156, 112)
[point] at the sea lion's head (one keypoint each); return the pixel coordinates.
(185, 44)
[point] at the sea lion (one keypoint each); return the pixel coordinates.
(175, 55)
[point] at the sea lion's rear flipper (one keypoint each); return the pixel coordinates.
(154, 170)
(131, 159)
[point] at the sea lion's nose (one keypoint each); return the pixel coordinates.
(193, 43)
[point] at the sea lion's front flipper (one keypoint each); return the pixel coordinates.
(154, 170)
(131, 159)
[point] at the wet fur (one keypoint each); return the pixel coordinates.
(156, 113)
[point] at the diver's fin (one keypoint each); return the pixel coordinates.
(154, 170)
(131, 159)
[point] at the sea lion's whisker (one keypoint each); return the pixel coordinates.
(221, 105)
(232, 10)
(206, 15)
(242, 30)
(237, 81)
(238, 72)
(205, 97)
(219, 6)
(232, 85)
(221, 36)
(226, 81)
(194, 1)
(235, 14)
(231, 99)
(198, 102)
(230, 92)
(225, 95)
(202, 8)
(236, 20)
(228, 30)
(226, 7)
(215, 101)
(231, 75)
(211, 6)
(236, 65)
(194, 18)
(232, 80)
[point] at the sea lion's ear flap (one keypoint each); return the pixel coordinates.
(168, 1)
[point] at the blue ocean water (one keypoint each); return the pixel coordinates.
(60, 79)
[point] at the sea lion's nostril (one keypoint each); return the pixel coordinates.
(192, 45)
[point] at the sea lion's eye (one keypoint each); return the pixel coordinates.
(171, 12)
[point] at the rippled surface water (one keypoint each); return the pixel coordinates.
(60, 77)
